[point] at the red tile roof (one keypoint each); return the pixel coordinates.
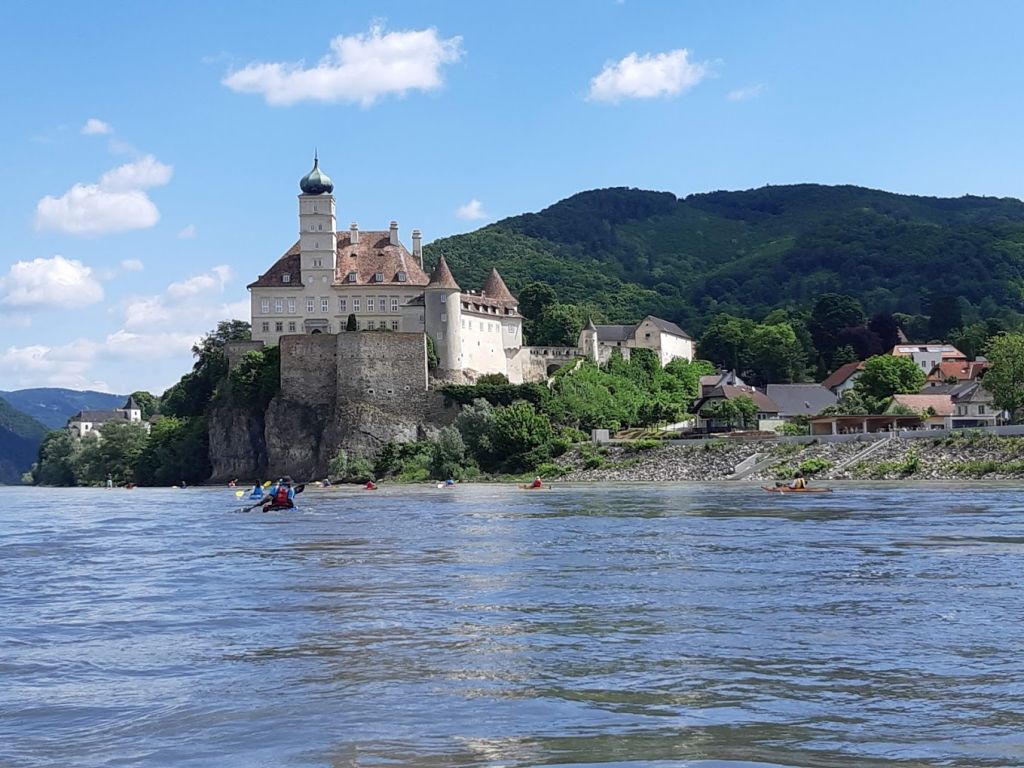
(961, 371)
(442, 277)
(372, 255)
(495, 288)
(942, 405)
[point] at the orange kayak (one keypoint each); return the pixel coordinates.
(784, 489)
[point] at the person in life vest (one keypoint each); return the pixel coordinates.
(371, 486)
(281, 495)
(537, 483)
(257, 491)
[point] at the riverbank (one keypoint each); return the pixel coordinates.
(959, 457)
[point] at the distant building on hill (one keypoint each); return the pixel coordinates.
(927, 356)
(92, 422)
(843, 378)
(666, 338)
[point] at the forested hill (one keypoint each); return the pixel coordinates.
(53, 406)
(632, 252)
(20, 436)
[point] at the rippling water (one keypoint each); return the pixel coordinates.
(638, 626)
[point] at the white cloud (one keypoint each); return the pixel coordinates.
(116, 204)
(186, 303)
(472, 211)
(187, 232)
(214, 280)
(358, 69)
(742, 94)
(132, 265)
(648, 76)
(50, 282)
(95, 127)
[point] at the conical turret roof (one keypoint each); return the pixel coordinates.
(495, 288)
(131, 405)
(590, 325)
(442, 277)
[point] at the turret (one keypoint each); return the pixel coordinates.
(588, 341)
(443, 316)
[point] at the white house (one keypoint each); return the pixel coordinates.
(927, 356)
(92, 422)
(666, 338)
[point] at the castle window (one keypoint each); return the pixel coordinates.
(343, 305)
(265, 306)
(370, 325)
(291, 306)
(318, 262)
(378, 277)
(394, 303)
(325, 305)
(383, 303)
(391, 391)
(355, 305)
(316, 243)
(278, 326)
(265, 326)
(351, 277)
(320, 227)
(286, 278)
(401, 277)
(444, 298)
(394, 325)
(291, 326)
(310, 305)
(369, 304)
(278, 306)
(444, 317)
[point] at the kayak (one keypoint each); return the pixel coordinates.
(532, 487)
(277, 508)
(784, 489)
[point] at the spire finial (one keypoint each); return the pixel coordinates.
(316, 157)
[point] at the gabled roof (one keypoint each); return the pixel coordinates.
(841, 374)
(948, 351)
(131, 405)
(667, 327)
(800, 399)
(98, 417)
(614, 332)
(942, 405)
(372, 255)
(727, 392)
(442, 277)
(961, 371)
(970, 392)
(495, 288)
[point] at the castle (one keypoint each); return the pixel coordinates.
(332, 282)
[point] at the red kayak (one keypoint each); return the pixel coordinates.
(785, 489)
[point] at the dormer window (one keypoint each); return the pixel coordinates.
(286, 278)
(351, 277)
(401, 277)
(378, 277)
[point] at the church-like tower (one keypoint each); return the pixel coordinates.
(318, 239)
(442, 317)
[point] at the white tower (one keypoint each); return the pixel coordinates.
(442, 317)
(588, 341)
(318, 239)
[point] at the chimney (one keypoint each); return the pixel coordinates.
(417, 246)
(394, 233)
(353, 233)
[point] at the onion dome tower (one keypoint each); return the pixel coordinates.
(316, 182)
(318, 238)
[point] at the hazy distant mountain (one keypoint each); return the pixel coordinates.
(20, 436)
(54, 406)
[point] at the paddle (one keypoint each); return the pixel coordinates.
(298, 489)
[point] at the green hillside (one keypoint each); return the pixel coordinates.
(53, 406)
(631, 252)
(20, 437)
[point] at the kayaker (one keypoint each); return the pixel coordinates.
(257, 491)
(798, 483)
(537, 482)
(326, 483)
(449, 482)
(183, 485)
(281, 495)
(110, 480)
(371, 486)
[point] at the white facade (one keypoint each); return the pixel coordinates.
(668, 340)
(927, 356)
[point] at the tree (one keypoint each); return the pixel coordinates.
(351, 324)
(885, 327)
(119, 449)
(520, 435)
(863, 341)
(776, 355)
(1005, 378)
(449, 454)
(971, 339)
(557, 325)
(476, 425)
(726, 341)
(944, 314)
(832, 313)
(57, 455)
(850, 403)
(177, 449)
(149, 404)
(735, 412)
(534, 298)
(887, 375)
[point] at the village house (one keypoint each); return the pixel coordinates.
(843, 378)
(667, 339)
(92, 422)
(767, 410)
(956, 372)
(798, 401)
(927, 356)
(934, 409)
(973, 406)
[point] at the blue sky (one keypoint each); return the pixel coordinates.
(151, 152)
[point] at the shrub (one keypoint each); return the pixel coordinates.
(814, 465)
(550, 470)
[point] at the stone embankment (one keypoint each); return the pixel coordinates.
(963, 456)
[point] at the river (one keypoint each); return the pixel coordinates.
(712, 627)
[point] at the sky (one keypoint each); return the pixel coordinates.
(151, 152)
